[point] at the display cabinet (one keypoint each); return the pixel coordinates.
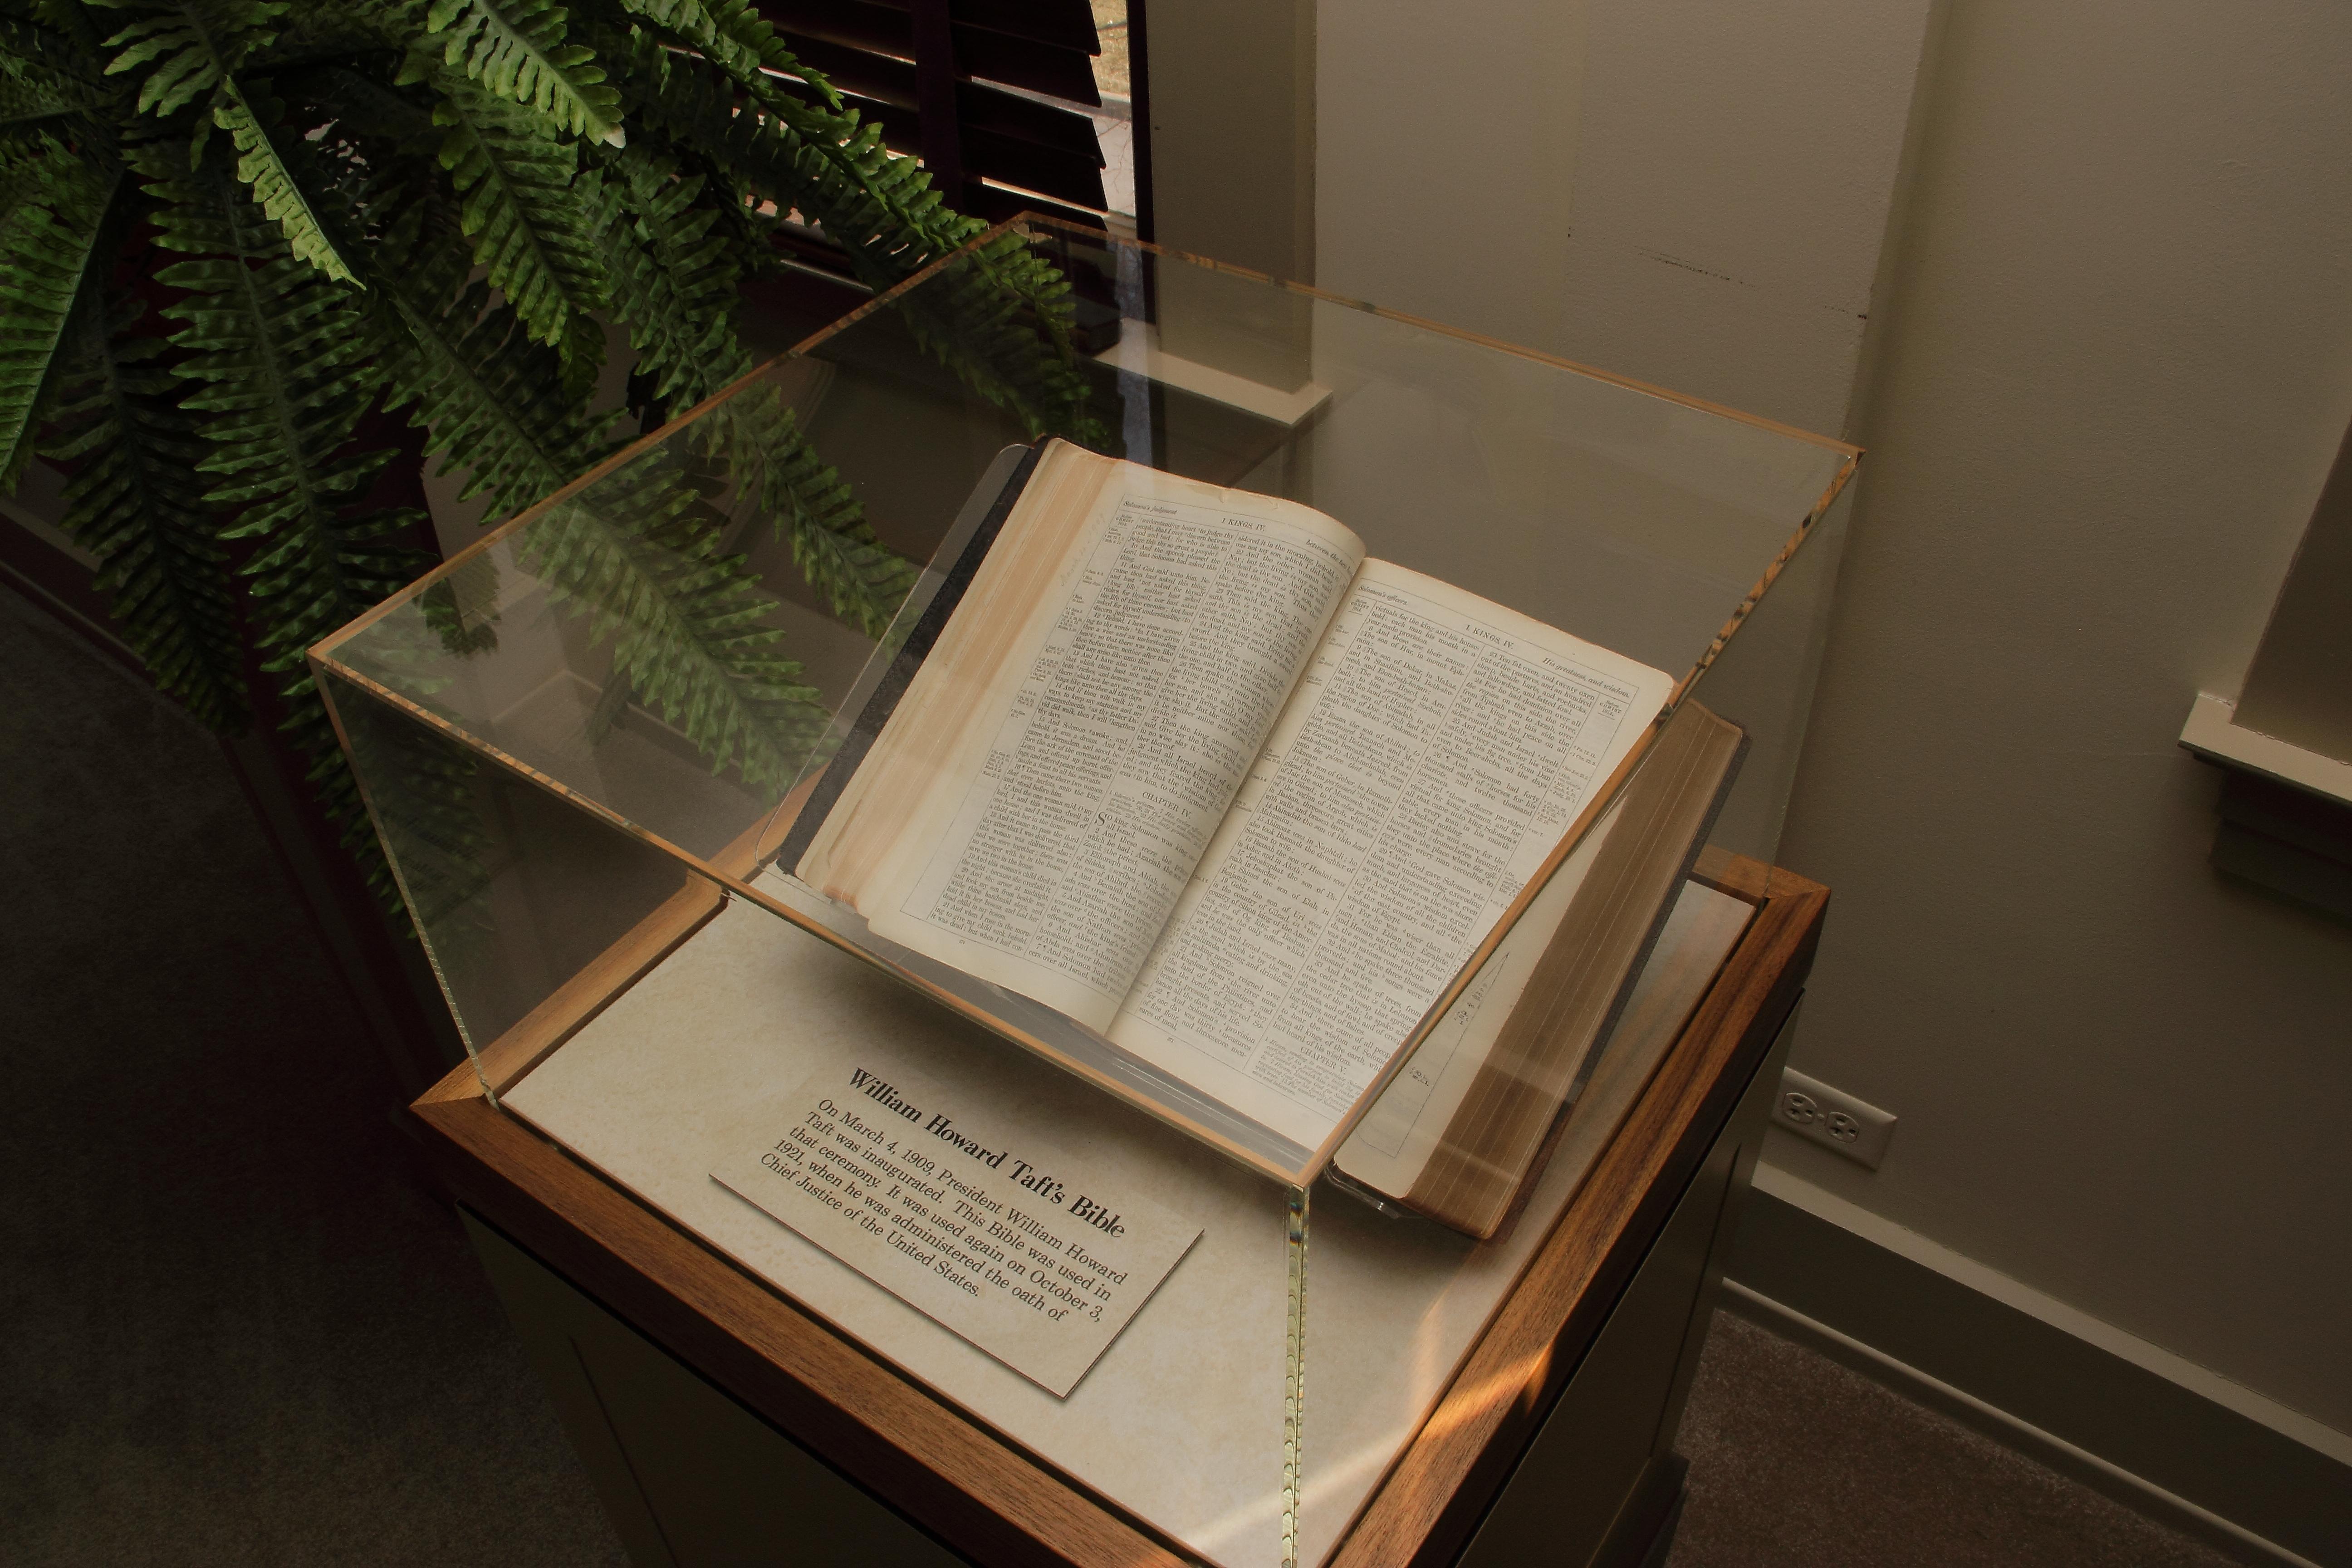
(591, 744)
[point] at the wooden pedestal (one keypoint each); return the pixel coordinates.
(722, 1424)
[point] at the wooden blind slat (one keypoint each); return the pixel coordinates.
(1068, 23)
(1035, 168)
(1051, 68)
(1067, 176)
(892, 83)
(922, 70)
(994, 204)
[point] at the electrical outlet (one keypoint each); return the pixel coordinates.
(1811, 1109)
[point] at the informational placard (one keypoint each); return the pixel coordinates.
(988, 1226)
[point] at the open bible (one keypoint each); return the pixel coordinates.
(1183, 765)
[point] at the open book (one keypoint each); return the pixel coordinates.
(1186, 766)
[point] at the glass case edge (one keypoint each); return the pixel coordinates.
(1762, 584)
(1026, 223)
(1503, 345)
(319, 668)
(914, 279)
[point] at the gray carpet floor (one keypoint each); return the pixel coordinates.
(1798, 1462)
(236, 1328)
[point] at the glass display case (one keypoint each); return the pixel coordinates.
(627, 756)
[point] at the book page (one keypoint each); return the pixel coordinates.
(939, 729)
(1391, 1144)
(1425, 768)
(1049, 861)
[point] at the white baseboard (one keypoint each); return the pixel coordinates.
(2261, 1482)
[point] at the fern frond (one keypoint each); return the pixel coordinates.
(999, 316)
(353, 249)
(189, 48)
(732, 35)
(636, 553)
(488, 397)
(462, 607)
(581, 360)
(691, 629)
(780, 476)
(673, 282)
(279, 363)
(261, 163)
(518, 49)
(43, 76)
(1001, 324)
(829, 167)
(134, 502)
(878, 206)
(531, 211)
(26, 166)
(284, 369)
(193, 50)
(54, 256)
(28, 103)
(688, 105)
(282, 373)
(189, 66)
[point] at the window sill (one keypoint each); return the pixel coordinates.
(2286, 813)
(2213, 734)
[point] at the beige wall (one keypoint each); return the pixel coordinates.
(1692, 192)
(2106, 250)
(1233, 131)
(2118, 362)
(1696, 193)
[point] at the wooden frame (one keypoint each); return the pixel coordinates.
(988, 1497)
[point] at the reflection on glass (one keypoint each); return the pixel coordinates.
(584, 737)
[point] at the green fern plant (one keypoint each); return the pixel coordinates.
(233, 232)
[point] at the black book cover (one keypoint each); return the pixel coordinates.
(883, 700)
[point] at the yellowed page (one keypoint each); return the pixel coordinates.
(940, 727)
(1426, 766)
(1391, 1144)
(1089, 773)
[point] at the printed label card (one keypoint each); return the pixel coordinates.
(988, 1226)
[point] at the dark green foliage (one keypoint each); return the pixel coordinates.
(276, 364)
(280, 366)
(138, 506)
(672, 279)
(637, 552)
(781, 477)
(532, 219)
(52, 266)
(517, 51)
(433, 208)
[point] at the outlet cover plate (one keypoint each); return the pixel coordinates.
(1811, 1109)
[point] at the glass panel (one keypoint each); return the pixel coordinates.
(673, 685)
(523, 901)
